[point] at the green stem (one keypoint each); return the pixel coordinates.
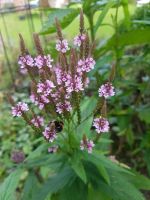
(78, 109)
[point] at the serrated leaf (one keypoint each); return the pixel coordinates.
(65, 17)
(7, 189)
(79, 170)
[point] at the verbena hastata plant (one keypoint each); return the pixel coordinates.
(78, 167)
(60, 86)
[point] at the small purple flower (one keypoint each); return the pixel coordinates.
(19, 109)
(79, 39)
(63, 107)
(45, 88)
(87, 144)
(38, 121)
(86, 65)
(62, 46)
(101, 125)
(106, 90)
(50, 133)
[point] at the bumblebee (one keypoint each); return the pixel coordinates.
(58, 125)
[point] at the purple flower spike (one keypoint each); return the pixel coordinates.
(39, 101)
(63, 107)
(106, 90)
(19, 109)
(49, 133)
(62, 46)
(45, 88)
(37, 121)
(101, 125)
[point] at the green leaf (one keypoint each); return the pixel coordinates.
(77, 166)
(37, 152)
(120, 188)
(103, 14)
(76, 191)
(55, 183)
(31, 187)
(94, 194)
(140, 181)
(65, 17)
(7, 189)
(144, 115)
(87, 107)
(79, 170)
(125, 39)
(99, 165)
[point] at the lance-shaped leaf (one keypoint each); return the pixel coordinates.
(7, 189)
